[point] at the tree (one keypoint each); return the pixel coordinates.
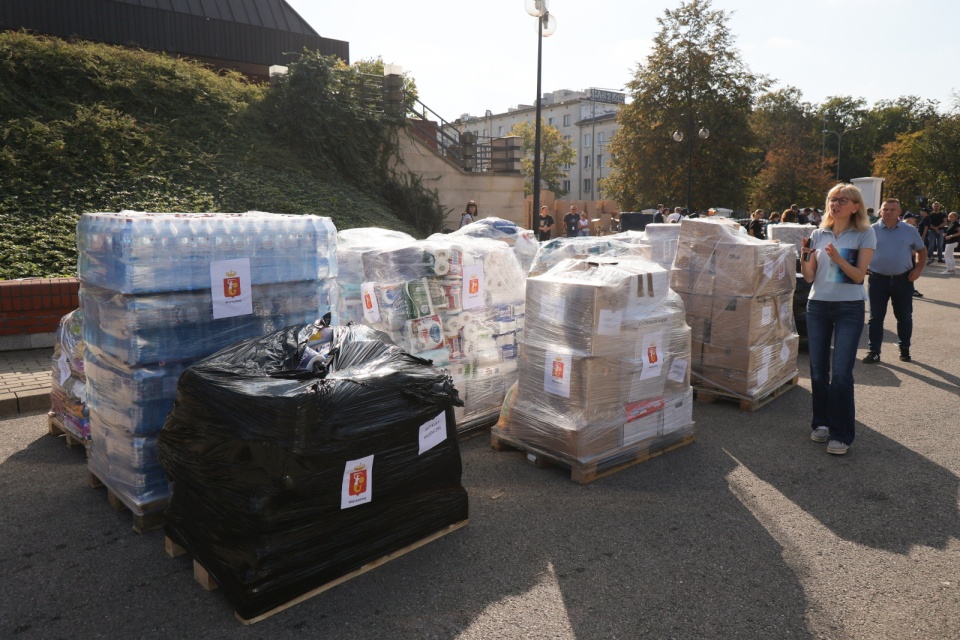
(923, 163)
(694, 77)
(555, 151)
(787, 132)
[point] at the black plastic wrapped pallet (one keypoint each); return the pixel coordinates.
(265, 458)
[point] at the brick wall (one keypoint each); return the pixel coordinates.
(35, 306)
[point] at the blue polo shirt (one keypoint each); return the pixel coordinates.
(830, 283)
(895, 247)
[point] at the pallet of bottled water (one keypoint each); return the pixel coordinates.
(133, 252)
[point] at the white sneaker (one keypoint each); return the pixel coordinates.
(837, 448)
(820, 434)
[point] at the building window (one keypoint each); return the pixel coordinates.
(601, 138)
(550, 121)
(566, 167)
(600, 160)
(587, 185)
(586, 161)
(587, 140)
(500, 131)
(566, 186)
(566, 120)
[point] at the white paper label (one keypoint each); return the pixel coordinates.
(785, 352)
(472, 295)
(678, 370)
(357, 485)
(763, 374)
(766, 315)
(609, 324)
(553, 309)
(231, 288)
(557, 373)
(652, 354)
(433, 432)
(785, 313)
(80, 391)
(64, 368)
(368, 298)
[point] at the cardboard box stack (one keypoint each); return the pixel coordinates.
(738, 297)
(604, 362)
(792, 233)
(457, 301)
(159, 292)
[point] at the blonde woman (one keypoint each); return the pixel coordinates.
(757, 228)
(835, 260)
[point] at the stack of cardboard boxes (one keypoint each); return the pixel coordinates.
(604, 362)
(738, 295)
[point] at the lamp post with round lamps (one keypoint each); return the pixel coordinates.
(678, 136)
(546, 25)
(839, 142)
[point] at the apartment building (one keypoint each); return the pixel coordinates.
(587, 118)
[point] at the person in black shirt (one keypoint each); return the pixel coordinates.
(756, 228)
(544, 225)
(658, 216)
(923, 226)
(938, 220)
(571, 222)
(951, 237)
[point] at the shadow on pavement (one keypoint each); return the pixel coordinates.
(881, 494)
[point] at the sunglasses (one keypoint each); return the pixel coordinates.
(840, 201)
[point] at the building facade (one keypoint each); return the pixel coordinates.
(588, 119)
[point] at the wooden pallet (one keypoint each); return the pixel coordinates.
(587, 472)
(141, 523)
(55, 428)
(710, 395)
(207, 581)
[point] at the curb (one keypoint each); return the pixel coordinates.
(24, 402)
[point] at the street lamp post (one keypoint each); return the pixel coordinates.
(839, 143)
(546, 25)
(678, 136)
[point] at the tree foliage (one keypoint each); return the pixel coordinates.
(792, 171)
(694, 77)
(555, 152)
(923, 164)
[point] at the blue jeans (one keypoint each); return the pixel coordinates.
(934, 244)
(833, 403)
(881, 291)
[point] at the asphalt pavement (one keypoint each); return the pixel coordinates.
(753, 531)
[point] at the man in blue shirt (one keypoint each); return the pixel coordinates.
(896, 264)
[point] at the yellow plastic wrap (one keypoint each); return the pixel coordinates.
(604, 361)
(738, 297)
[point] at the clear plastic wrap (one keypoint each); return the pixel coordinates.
(605, 351)
(457, 301)
(289, 475)
(523, 241)
(160, 291)
(180, 325)
(738, 298)
(663, 239)
(790, 233)
(552, 252)
(135, 252)
(68, 389)
(351, 245)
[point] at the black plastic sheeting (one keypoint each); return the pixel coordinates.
(263, 444)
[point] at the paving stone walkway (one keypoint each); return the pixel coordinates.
(25, 380)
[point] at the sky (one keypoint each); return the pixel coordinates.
(467, 57)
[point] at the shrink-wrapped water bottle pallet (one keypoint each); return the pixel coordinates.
(150, 519)
(587, 472)
(56, 428)
(709, 395)
(209, 583)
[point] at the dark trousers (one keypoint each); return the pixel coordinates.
(882, 291)
(831, 373)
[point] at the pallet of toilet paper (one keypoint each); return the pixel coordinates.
(604, 364)
(552, 252)
(738, 298)
(455, 300)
